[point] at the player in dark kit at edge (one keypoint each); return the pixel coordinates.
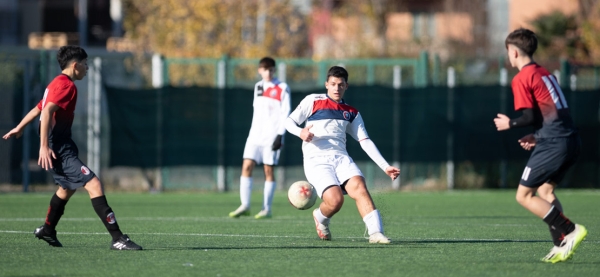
(556, 143)
(59, 153)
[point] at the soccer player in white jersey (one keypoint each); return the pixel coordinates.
(327, 165)
(271, 108)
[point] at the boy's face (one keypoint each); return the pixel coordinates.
(80, 69)
(336, 87)
(266, 73)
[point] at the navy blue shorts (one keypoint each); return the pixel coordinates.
(550, 160)
(68, 170)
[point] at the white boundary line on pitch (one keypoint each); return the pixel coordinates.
(432, 240)
(246, 220)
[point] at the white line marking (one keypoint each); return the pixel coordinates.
(408, 239)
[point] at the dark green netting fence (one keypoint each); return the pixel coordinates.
(421, 128)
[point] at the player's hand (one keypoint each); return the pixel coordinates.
(277, 143)
(393, 172)
(16, 132)
(306, 135)
(46, 156)
(502, 122)
(527, 142)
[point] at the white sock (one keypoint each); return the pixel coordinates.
(321, 218)
(268, 195)
(245, 190)
(373, 221)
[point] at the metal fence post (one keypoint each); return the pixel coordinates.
(424, 69)
(450, 135)
(397, 82)
(565, 73)
(93, 129)
(282, 71)
(503, 108)
(435, 75)
(26, 133)
(222, 81)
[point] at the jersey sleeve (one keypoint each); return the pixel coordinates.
(522, 94)
(303, 111)
(61, 96)
(285, 109)
(357, 128)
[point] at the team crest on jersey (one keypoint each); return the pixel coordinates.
(85, 170)
(346, 115)
(110, 218)
(273, 93)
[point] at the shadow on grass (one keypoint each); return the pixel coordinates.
(469, 241)
(396, 244)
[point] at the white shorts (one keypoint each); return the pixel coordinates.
(261, 154)
(332, 170)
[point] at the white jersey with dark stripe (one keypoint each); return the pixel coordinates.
(330, 121)
(271, 108)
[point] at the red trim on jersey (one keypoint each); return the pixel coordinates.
(328, 104)
(273, 93)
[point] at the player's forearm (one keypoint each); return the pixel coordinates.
(31, 116)
(369, 147)
(526, 119)
(292, 127)
(45, 127)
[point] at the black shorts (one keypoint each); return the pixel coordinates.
(550, 160)
(68, 170)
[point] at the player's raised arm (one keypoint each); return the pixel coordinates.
(358, 131)
(18, 131)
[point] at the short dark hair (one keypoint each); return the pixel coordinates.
(67, 54)
(266, 62)
(523, 39)
(337, 71)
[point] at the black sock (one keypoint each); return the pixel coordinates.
(560, 222)
(107, 216)
(55, 211)
(557, 236)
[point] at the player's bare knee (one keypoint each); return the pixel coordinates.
(64, 194)
(335, 203)
(546, 192)
(94, 188)
(247, 167)
(333, 198)
(269, 176)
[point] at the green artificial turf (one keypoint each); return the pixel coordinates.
(458, 233)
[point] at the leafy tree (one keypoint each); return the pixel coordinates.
(212, 28)
(590, 32)
(558, 36)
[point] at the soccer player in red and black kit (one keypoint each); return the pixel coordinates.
(555, 143)
(59, 153)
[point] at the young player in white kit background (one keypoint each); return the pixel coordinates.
(327, 165)
(271, 108)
